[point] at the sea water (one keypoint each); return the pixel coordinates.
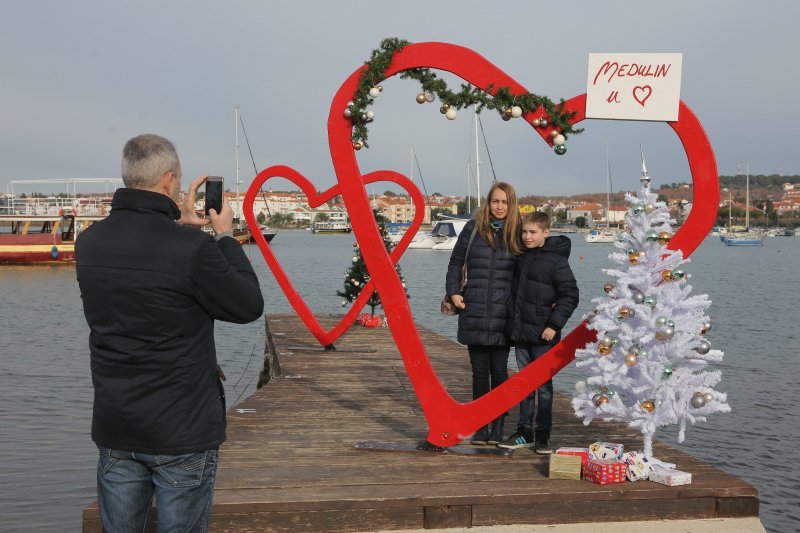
(48, 459)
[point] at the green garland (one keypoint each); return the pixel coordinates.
(374, 71)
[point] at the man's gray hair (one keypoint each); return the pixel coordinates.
(146, 158)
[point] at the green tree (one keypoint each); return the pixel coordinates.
(357, 275)
(580, 222)
(437, 211)
(261, 218)
(390, 194)
(462, 206)
(322, 217)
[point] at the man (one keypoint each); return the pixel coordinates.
(152, 288)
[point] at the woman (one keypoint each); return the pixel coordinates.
(484, 302)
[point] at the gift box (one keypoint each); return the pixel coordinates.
(583, 453)
(605, 472)
(669, 476)
(605, 451)
(565, 466)
(638, 465)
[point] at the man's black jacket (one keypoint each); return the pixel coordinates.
(151, 291)
(545, 292)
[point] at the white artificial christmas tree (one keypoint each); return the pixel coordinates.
(648, 365)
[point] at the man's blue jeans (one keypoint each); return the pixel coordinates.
(183, 486)
(526, 354)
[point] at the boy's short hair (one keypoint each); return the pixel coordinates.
(540, 218)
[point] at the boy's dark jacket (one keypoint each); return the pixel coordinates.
(545, 293)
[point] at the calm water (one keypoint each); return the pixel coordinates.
(48, 458)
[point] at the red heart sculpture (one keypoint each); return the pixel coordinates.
(301, 308)
(448, 420)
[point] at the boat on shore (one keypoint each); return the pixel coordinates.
(607, 235)
(443, 236)
(597, 236)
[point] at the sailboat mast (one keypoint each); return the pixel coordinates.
(608, 190)
(236, 154)
(469, 190)
(747, 198)
(477, 162)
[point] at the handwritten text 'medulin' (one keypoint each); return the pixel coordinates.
(611, 69)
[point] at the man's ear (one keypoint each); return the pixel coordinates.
(166, 181)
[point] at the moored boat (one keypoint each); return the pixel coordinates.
(331, 227)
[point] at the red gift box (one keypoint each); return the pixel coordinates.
(605, 472)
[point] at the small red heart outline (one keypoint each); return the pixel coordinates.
(450, 421)
(324, 337)
(643, 89)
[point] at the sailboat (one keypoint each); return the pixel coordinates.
(748, 237)
(266, 232)
(597, 236)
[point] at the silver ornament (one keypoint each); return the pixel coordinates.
(708, 397)
(429, 96)
(542, 122)
(638, 297)
(606, 341)
(374, 92)
(350, 104)
(614, 341)
(651, 236)
(645, 180)
(678, 273)
(650, 300)
(670, 323)
(370, 115)
(649, 207)
(348, 113)
(703, 348)
(536, 122)
(595, 398)
(698, 400)
(643, 352)
(667, 332)
(706, 328)
(637, 209)
(661, 321)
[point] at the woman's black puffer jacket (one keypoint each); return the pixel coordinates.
(488, 292)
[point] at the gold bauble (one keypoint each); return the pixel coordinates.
(601, 400)
(630, 359)
(507, 112)
(444, 109)
(663, 237)
(666, 275)
(604, 350)
(357, 145)
(608, 287)
(634, 258)
(421, 98)
(625, 312)
(554, 134)
(648, 406)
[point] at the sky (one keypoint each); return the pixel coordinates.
(78, 79)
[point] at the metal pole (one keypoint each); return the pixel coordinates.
(477, 161)
(236, 153)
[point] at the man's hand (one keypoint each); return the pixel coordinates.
(222, 222)
(188, 215)
(458, 301)
(548, 334)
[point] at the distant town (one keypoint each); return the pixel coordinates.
(774, 201)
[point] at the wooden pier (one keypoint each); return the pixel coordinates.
(289, 463)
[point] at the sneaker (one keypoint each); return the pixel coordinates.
(542, 439)
(480, 437)
(522, 438)
(496, 433)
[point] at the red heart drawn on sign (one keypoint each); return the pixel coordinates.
(450, 421)
(314, 200)
(641, 93)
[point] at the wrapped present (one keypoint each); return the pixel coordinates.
(605, 472)
(606, 451)
(669, 476)
(565, 466)
(638, 465)
(583, 453)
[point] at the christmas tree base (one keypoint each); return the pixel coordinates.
(427, 447)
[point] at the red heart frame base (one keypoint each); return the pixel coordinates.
(450, 421)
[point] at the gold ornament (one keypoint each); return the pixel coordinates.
(625, 312)
(444, 109)
(634, 258)
(666, 275)
(648, 406)
(604, 350)
(663, 237)
(608, 287)
(630, 359)
(507, 112)
(357, 145)
(554, 134)
(421, 98)
(601, 400)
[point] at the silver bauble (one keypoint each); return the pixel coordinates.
(661, 321)
(643, 352)
(429, 96)
(350, 103)
(348, 113)
(542, 122)
(678, 273)
(374, 92)
(637, 209)
(370, 115)
(649, 207)
(667, 332)
(595, 398)
(698, 400)
(651, 236)
(703, 347)
(638, 297)
(606, 341)
(536, 122)
(670, 323)
(708, 397)
(650, 300)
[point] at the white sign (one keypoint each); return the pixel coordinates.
(634, 86)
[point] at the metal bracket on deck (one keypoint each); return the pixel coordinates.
(427, 447)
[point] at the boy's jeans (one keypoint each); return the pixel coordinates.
(526, 354)
(183, 487)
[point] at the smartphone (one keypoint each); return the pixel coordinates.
(214, 191)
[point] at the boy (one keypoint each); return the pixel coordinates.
(544, 296)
